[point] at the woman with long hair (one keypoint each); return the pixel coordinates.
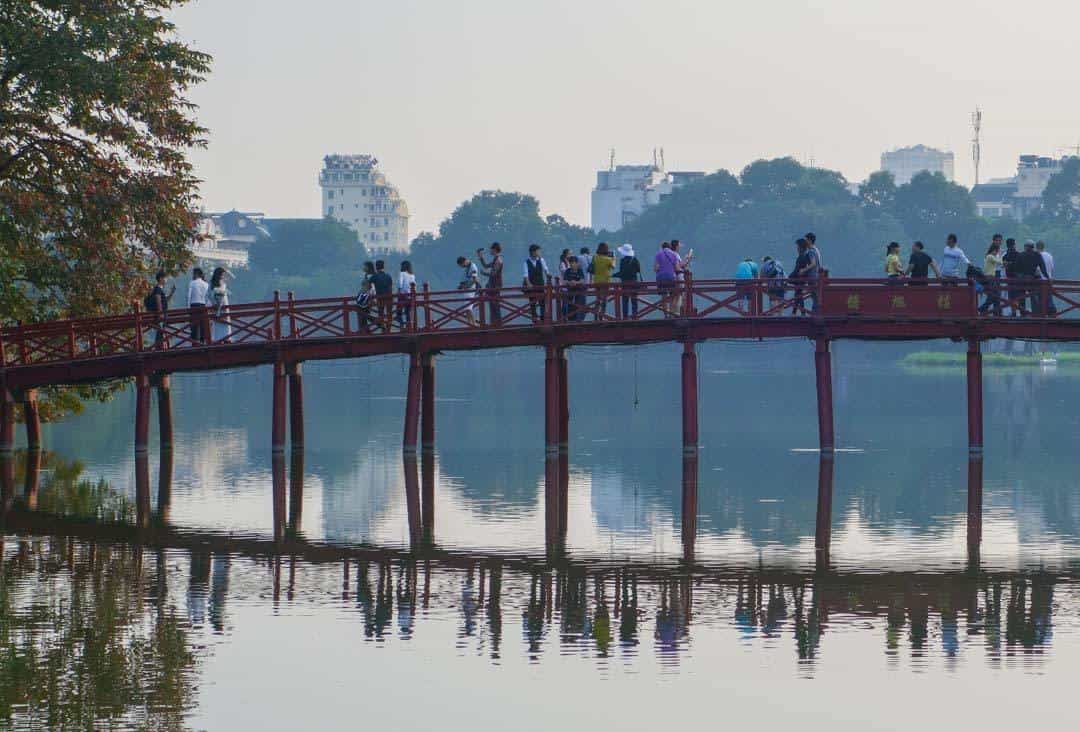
(218, 302)
(405, 285)
(603, 263)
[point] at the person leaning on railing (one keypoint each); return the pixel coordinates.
(157, 302)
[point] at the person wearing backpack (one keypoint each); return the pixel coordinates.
(157, 302)
(629, 273)
(773, 272)
(365, 297)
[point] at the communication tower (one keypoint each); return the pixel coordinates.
(976, 147)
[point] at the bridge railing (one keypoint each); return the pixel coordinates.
(556, 303)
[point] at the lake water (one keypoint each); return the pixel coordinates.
(201, 620)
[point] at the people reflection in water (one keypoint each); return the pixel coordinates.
(601, 619)
(532, 619)
(469, 605)
(198, 586)
(574, 606)
(219, 591)
(406, 599)
(494, 610)
(628, 612)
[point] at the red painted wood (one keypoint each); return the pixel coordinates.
(279, 388)
(165, 415)
(689, 398)
(823, 372)
(427, 402)
(32, 419)
(142, 413)
(974, 501)
(7, 420)
(412, 403)
(823, 530)
(296, 406)
(974, 396)
(564, 400)
(551, 399)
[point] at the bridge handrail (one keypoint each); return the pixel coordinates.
(557, 303)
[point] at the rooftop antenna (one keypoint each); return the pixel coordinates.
(663, 166)
(976, 143)
(611, 163)
(654, 157)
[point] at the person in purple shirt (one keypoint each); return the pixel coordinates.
(666, 267)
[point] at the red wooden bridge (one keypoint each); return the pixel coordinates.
(286, 332)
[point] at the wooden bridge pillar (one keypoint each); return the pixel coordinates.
(427, 496)
(412, 499)
(32, 480)
(7, 420)
(142, 487)
(552, 405)
(277, 481)
(32, 419)
(689, 505)
(564, 401)
(823, 530)
(974, 397)
(689, 398)
(564, 492)
(412, 403)
(823, 371)
(165, 416)
(427, 402)
(974, 503)
(277, 419)
(142, 413)
(164, 495)
(296, 406)
(552, 509)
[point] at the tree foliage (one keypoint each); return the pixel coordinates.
(1061, 199)
(95, 186)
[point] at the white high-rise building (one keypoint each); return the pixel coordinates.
(623, 192)
(356, 193)
(905, 162)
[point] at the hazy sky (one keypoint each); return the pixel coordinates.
(455, 97)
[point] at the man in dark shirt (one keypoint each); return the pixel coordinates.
(1029, 264)
(920, 263)
(384, 294)
(157, 302)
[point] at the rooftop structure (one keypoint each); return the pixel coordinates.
(223, 239)
(1021, 195)
(356, 193)
(906, 162)
(623, 192)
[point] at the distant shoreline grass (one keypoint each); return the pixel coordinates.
(945, 358)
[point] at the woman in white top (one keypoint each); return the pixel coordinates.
(406, 281)
(217, 302)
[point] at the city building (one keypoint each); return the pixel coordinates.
(356, 193)
(1021, 195)
(905, 162)
(223, 239)
(623, 192)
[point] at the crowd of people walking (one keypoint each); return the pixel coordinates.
(589, 283)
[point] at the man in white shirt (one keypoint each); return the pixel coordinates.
(196, 302)
(1048, 260)
(954, 262)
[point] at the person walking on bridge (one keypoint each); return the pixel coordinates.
(919, 265)
(196, 302)
(218, 300)
(746, 273)
(893, 269)
(666, 266)
(406, 285)
(813, 269)
(1030, 266)
(629, 274)
(534, 276)
(1048, 264)
(470, 283)
(494, 273)
(603, 262)
(157, 302)
(954, 262)
(383, 284)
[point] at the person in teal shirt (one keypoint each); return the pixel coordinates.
(747, 270)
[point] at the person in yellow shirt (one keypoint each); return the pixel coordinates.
(893, 269)
(603, 262)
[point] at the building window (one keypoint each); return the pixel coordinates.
(330, 211)
(363, 191)
(385, 221)
(330, 195)
(386, 235)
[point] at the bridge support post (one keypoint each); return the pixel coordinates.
(142, 487)
(142, 413)
(427, 402)
(7, 420)
(564, 401)
(974, 397)
(277, 482)
(689, 398)
(689, 505)
(164, 495)
(412, 403)
(823, 370)
(552, 404)
(32, 419)
(296, 487)
(277, 428)
(164, 409)
(413, 509)
(427, 495)
(974, 503)
(296, 406)
(823, 529)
